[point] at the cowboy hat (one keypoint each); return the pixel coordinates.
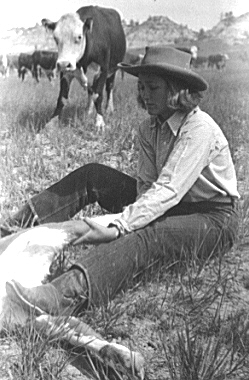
(168, 62)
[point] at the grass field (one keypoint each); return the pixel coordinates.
(192, 325)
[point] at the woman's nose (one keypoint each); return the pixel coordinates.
(146, 94)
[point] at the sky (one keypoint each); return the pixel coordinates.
(196, 14)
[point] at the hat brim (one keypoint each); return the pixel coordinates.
(193, 80)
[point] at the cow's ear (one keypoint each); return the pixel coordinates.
(88, 25)
(49, 25)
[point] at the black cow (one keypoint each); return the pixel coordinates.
(25, 64)
(45, 60)
(218, 61)
(92, 34)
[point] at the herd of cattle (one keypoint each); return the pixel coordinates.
(217, 61)
(44, 62)
(92, 36)
(37, 63)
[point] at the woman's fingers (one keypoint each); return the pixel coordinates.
(91, 223)
(96, 233)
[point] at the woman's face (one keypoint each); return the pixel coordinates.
(154, 91)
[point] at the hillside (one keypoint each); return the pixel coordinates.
(230, 31)
(158, 30)
(20, 40)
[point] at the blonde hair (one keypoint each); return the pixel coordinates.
(179, 96)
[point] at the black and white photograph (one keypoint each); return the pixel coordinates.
(124, 190)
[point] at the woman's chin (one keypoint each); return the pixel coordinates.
(151, 111)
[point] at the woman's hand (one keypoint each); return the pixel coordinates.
(96, 234)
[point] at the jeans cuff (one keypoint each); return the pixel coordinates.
(87, 278)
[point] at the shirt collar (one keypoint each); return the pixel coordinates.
(175, 121)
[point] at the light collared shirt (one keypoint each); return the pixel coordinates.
(187, 158)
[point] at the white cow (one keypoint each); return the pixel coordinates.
(194, 51)
(4, 67)
(26, 257)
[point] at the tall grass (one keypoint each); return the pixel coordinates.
(188, 325)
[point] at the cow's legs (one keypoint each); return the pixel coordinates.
(109, 92)
(99, 81)
(65, 81)
(24, 71)
(35, 73)
(90, 104)
(92, 96)
(50, 75)
(21, 73)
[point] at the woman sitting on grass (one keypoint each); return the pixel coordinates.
(182, 205)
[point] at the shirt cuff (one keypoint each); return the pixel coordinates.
(122, 231)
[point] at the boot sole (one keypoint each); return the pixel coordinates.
(16, 296)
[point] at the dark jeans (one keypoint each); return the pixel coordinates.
(189, 230)
(91, 183)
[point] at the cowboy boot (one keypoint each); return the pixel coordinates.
(4, 232)
(23, 218)
(65, 295)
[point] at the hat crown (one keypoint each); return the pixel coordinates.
(166, 56)
(168, 62)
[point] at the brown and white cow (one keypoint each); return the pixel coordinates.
(217, 61)
(92, 34)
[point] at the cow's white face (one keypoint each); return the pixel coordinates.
(70, 36)
(194, 51)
